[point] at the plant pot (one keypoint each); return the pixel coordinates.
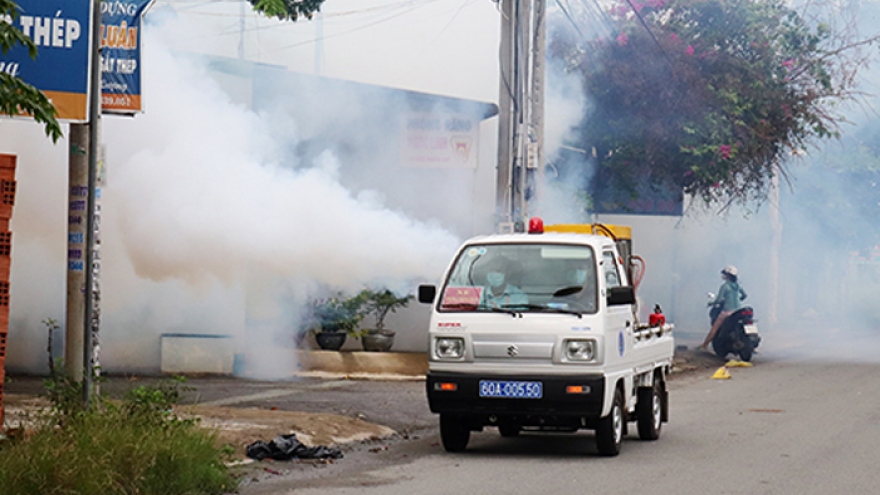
(330, 341)
(378, 342)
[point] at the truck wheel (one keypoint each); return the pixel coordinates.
(453, 433)
(649, 411)
(609, 432)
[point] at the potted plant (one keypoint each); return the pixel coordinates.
(333, 318)
(378, 304)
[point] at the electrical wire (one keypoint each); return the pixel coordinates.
(570, 19)
(651, 34)
(449, 22)
(410, 5)
(326, 15)
(422, 3)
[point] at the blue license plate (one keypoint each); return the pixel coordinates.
(511, 389)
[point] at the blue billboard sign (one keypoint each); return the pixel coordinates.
(121, 55)
(61, 29)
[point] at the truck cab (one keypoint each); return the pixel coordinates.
(538, 331)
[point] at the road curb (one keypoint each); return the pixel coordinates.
(400, 365)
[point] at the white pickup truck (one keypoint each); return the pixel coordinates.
(538, 332)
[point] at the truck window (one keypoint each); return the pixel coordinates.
(612, 274)
(522, 277)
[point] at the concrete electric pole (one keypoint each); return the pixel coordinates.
(521, 110)
(81, 323)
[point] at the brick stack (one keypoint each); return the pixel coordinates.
(7, 191)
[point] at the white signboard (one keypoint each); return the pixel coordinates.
(438, 140)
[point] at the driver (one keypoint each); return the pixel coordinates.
(500, 293)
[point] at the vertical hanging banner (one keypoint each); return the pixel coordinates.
(121, 55)
(61, 29)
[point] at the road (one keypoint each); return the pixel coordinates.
(784, 426)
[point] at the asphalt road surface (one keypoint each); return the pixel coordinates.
(789, 425)
(803, 420)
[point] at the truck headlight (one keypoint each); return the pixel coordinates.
(580, 350)
(449, 347)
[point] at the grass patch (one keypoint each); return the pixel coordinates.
(134, 446)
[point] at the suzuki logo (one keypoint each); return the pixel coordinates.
(512, 351)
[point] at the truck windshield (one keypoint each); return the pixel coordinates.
(558, 278)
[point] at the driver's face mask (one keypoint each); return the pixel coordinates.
(495, 279)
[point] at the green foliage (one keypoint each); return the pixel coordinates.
(344, 313)
(287, 9)
(134, 447)
(154, 403)
(64, 392)
(337, 313)
(708, 95)
(379, 303)
(16, 96)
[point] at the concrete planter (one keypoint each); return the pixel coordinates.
(378, 342)
(330, 341)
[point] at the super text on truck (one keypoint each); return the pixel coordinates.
(538, 331)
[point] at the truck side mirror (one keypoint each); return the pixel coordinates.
(427, 293)
(619, 296)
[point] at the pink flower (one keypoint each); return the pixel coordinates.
(725, 151)
(674, 38)
(689, 50)
(622, 39)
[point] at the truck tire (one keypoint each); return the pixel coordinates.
(609, 431)
(649, 411)
(454, 433)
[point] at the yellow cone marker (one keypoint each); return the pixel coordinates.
(733, 363)
(721, 374)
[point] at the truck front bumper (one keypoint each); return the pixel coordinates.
(571, 396)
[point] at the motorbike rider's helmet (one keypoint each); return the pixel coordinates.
(729, 270)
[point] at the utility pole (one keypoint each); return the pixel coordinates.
(80, 324)
(521, 110)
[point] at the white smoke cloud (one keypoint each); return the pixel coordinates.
(207, 227)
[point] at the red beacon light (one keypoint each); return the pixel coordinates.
(536, 225)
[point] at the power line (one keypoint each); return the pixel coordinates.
(570, 19)
(395, 10)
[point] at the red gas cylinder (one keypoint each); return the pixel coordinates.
(656, 318)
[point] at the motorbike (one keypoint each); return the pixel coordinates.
(738, 334)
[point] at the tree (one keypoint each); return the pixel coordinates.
(287, 9)
(711, 96)
(16, 96)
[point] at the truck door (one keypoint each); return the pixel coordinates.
(618, 319)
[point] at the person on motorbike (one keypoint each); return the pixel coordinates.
(729, 298)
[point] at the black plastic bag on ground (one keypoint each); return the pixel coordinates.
(287, 447)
